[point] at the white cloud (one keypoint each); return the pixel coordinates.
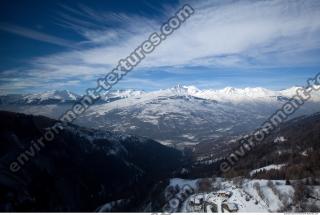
(236, 30)
(36, 35)
(275, 33)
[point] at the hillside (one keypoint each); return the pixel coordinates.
(181, 116)
(80, 170)
(281, 174)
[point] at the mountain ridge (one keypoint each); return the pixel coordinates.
(227, 94)
(181, 115)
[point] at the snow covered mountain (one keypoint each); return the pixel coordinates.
(62, 97)
(121, 94)
(59, 95)
(228, 94)
(185, 115)
(49, 97)
(238, 95)
(180, 116)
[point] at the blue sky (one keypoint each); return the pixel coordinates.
(47, 45)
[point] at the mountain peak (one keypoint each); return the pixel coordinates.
(183, 89)
(62, 95)
(229, 90)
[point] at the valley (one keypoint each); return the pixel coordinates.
(162, 151)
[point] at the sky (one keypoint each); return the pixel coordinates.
(50, 45)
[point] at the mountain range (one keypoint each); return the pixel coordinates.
(227, 94)
(181, 116)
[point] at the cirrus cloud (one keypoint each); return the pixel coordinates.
(228, 34)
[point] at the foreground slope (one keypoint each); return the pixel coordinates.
(80, 170)
(281, 174)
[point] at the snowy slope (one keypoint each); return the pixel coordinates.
(186, 115)
(45, 98)
(63, 95)
(170, 116)
(181, 115)
(121, 94)
(243, 198)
